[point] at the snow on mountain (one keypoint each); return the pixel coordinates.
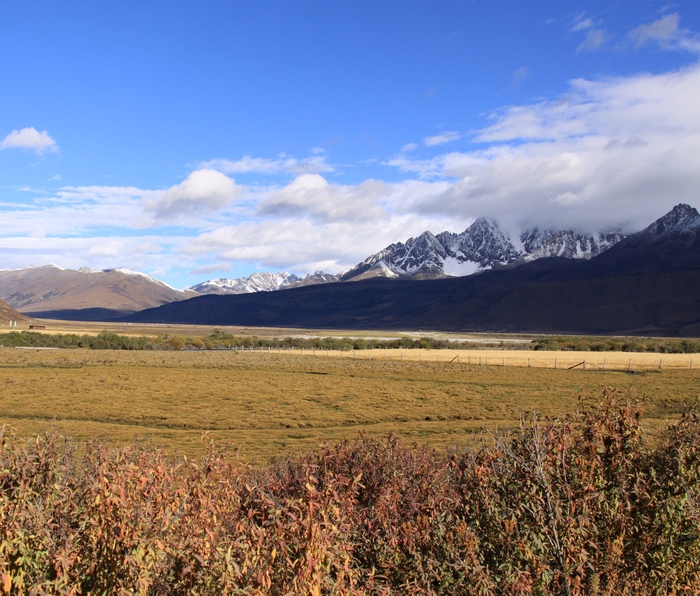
(257, 282)
(483, 245)
(682, 219)
(565, 243)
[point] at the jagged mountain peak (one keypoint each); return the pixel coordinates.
(481, 246)
(682, 218)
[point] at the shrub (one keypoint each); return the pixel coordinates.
(583, 505)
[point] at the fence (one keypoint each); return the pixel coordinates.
(588, 361)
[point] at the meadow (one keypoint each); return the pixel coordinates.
(269, 403)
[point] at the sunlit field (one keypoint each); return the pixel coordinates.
(266, 404)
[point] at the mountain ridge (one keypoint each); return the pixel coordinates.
(602, 295)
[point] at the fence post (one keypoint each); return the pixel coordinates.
(661, 363)
(629, 364)
(555, 362)
(584, 365)
(504, 361)
(605, 360)
(528, 363)
(691, 362)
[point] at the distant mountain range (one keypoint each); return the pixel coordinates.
(482, 246)
(426, 282)
(645, 284)
(261, 282)
(52, 291)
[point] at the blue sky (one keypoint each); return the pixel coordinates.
(214, 139)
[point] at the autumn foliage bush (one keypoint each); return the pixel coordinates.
(585, 505)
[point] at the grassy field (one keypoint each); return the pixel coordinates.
(266, 404)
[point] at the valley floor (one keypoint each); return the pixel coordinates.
(266, 404)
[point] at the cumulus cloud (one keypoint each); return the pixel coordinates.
(31, 139)
(283, 164)
(311, 195)
(203, 191)
(441, 139)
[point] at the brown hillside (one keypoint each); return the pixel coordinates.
(42, 289)
(7, 313)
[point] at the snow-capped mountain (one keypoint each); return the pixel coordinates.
(646, 284)
(262, 282)
(682, 222)
(483, 245)
(565, 243)
(257, 282)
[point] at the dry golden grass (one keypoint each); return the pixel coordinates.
(267, 404)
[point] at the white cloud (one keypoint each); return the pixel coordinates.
(203, 191)
(311, 195)
(612, 151)
(78, 210)
(582, 23)
(29, 138)
(595, 39)
(665, 32)
(301, 245)
(138, 253)
(409, 147)
(615, 151)
(441, 139)
(284, 164)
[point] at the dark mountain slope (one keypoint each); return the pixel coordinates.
(647, 284)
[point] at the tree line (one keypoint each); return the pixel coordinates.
(221, 340)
